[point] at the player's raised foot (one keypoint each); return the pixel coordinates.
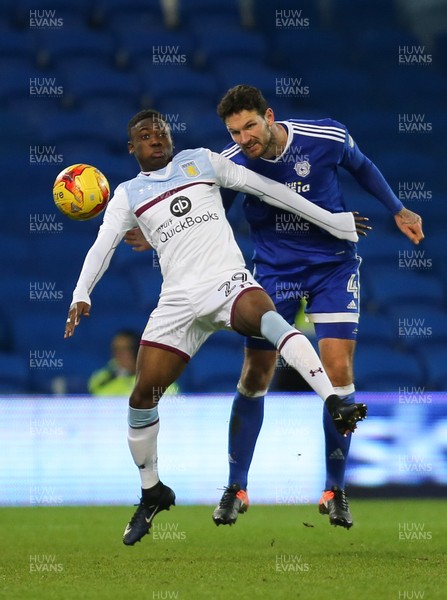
(139, 525)
(334, 503)
(233, 502)
(345, 415)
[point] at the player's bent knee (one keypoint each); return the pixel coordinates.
(257, 373)
(144, 397)
(339, 372)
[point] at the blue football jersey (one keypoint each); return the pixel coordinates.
(308, 165)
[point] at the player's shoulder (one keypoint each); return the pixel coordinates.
(191, 153)
(326, 128)
(195, 162)
(125, 186)
(197, 156)
(234, 153)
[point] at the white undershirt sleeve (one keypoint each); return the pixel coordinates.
(237, 177)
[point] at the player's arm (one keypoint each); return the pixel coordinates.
(117, 220)
(341, 225)
(371, 180)
(135, 238)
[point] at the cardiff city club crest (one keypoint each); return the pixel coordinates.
(302, 168)
(190, 169)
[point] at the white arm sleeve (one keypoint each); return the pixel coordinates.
(237, 177)
(117, 220)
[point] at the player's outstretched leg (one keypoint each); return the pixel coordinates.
(334, 501)
(247, 413)
(157, 369)
(155, 496)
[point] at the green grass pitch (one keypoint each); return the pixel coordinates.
(396, 550)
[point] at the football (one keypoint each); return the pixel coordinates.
(81, 192)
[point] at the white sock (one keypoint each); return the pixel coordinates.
(299, 353)
(143, 447)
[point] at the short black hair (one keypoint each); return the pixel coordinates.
(239, 98)
(147, 113)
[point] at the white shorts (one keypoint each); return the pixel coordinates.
(184, 319)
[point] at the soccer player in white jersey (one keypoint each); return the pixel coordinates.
(304, 155)
(176, 202)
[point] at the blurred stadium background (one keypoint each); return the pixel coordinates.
(73, 73)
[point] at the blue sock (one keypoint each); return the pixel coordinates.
(337, 449)
(246, 419)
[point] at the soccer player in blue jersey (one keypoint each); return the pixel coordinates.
(304, 155)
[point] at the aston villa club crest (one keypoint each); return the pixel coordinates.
(302, 168)
(190, 169)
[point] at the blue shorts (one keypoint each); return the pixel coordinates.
(331, 292)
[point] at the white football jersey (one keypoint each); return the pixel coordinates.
(179, 210)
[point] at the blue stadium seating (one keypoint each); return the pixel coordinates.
(218, 363)
(419, 324)
(14, 374)
(433, 356)
(378, 368)
(348, 17)
(157, 47)
(56, 47)
(273, 19)
(145, 280)
(199, 15)
(109, 82)
(313, 45)
(404, 164)
(72, 370)
(394, 284)
(440, 48)
(19, 12)
(246, 70)
(78, 125)
(377, 328)
(103, 59)
(161, 84)
(331, 88)
(422, 89)
(434, 247)
(377, 49)
(119, 15)
(104, 323)
(18, 44)
(212, 46)
(115, 290)
(6, 340)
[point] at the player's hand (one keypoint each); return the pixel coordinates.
(78, 310)
(410, 224)
(135, 238)
(345, 416)
(361, 224)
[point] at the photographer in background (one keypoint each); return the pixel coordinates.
(117, 378)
